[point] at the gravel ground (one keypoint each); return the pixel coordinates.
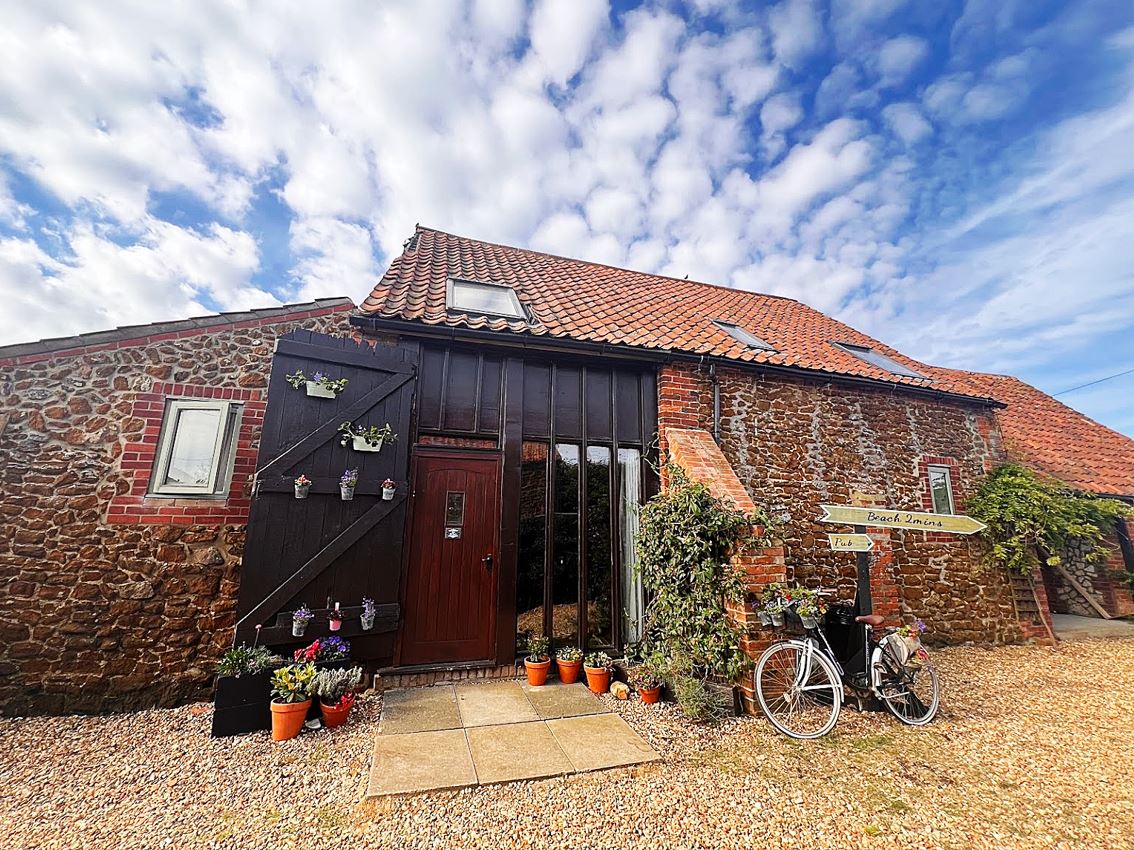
(1034, 748)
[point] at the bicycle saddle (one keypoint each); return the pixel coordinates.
(872, 620)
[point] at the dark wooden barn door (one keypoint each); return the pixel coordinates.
(322, 547)
(450, 600)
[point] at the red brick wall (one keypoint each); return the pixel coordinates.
(796, 443)
(113, 600)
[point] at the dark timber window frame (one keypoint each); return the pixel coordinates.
(224, 450)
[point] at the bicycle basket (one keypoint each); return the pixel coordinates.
(793, 625)
(842, 615)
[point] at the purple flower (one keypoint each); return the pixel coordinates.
(333, 648)
(318, 376)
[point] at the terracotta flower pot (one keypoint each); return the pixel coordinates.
(650, 695)
(537, 671)
(288, 719)
(598, 679)
(335, 716)
(569, 671)
(335, 625)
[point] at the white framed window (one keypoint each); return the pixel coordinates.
(196, 448)
(941, 489)
(491, 299)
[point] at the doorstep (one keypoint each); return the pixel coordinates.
(455, 736)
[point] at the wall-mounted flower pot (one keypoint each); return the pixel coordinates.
(301, 492)
(346, 492)
(777, 618)
(360, 445)
(318, 390)
(367, 622)
(298, 627)
(335, 625)
(288, 719)
(388, 493)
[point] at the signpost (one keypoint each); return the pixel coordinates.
(888, 518)
(850, 542)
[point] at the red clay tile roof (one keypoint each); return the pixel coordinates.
(596, 303)
(1050, 436)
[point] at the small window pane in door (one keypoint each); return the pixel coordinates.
(454, 508)
(193, 453)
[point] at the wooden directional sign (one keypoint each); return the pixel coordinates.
(887, 518)
(851, 542)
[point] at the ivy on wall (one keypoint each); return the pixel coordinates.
(685, 540)
(1028, 514)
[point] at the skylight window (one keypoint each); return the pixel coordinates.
(877, 358)
(491, 299)
(741, 335)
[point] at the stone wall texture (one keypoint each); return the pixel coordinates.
(797, 443)
(1103, 579)
(113, 600)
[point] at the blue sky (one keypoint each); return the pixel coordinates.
(954, 178)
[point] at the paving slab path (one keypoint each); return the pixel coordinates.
(454, 736)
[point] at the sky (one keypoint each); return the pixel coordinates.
(953, 178)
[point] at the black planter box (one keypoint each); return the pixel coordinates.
(243, 704)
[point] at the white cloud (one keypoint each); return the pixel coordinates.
(797, 31)
(562, 32)
(780, 112)
(335, 258)
(898, 57)
(907, 122)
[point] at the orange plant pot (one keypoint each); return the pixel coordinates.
(334, 717)
(288, 719)
(537, 671)
(650, 695)
(598, 679)
(569, 671)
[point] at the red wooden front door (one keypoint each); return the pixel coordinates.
(450, 601)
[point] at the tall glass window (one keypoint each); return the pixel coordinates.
(599, 564)
(533, 528)
(629, 499)
(565, 552)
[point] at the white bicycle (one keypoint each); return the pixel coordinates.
(800, 683)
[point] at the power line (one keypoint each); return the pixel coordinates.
(1092, 383)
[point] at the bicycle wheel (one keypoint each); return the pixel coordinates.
(798, 689)
(911, 695)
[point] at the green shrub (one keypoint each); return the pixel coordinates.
(1030, 516)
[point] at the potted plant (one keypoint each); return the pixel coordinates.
(300, 617)
(335, 689)
(810, 609)
(302, 486)
(369, 609)
(536, 662)
(335, 618)
(247, 660)
(291, 697)
(318, 385)
(597, 667)
(389, 487)
(332, 648)
(646, 679)
(368, 439)
(347, 483)
(569, 660)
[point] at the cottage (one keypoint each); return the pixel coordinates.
(150, 508)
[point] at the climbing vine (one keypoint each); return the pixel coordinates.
(685, 540)
(1029, 515)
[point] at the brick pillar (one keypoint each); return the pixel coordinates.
(700, 457)
(884, 591)
(685, 400)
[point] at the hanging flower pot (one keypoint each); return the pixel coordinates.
(777, 618)
(335, 623)
(368, 612)
(319, 390)
(361, 445)
(765, 618)
(809, 622)
(302, 486)
(389, 487)
(318, 385)
(300, 617)
(347, 483)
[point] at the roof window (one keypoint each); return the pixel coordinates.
(492, 299)
(877, 358)
(741, 335)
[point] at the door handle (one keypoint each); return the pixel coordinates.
(487, 561)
